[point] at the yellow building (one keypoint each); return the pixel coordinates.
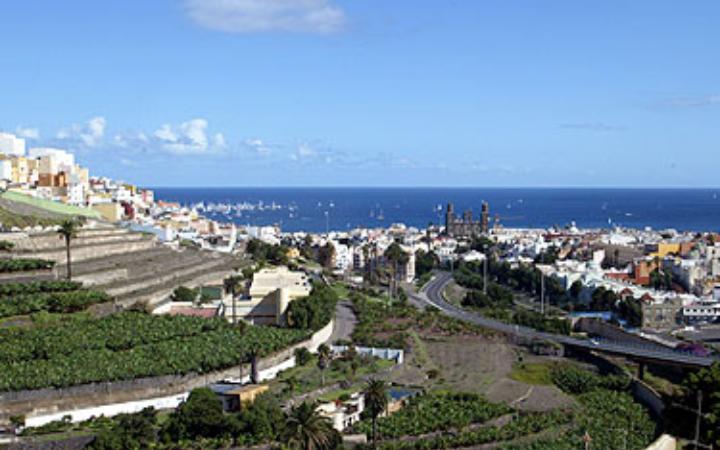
(270, 293)
(20, 168)
(235, 397)
(665, 248)
(110, 211)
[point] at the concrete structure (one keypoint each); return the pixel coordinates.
(269, 295)
(343, 414)
(392, 354)
(661, 315)
(236, 396)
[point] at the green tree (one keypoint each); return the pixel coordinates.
(264, 420)
(129, 431)
(425, 262)
(314, 311)
(306, 429)
(376, 401)
(326, 255)
(324, 354)
(201, 415)
(705, 383)
(184, 294)
(576, 289)
(302, 356)
(68, 231)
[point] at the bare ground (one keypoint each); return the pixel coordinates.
(477, 364)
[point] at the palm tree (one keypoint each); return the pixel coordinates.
(397, 256)
(323, 360)
(306, 429)
(376, 402)
(68, 230)
(232, 286)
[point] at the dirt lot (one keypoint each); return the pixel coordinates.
(476, 364)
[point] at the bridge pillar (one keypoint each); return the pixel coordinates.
(641, 371)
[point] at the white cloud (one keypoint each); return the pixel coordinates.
(27, 133)
(304, 151)
(256, 16)
(219, 140)
(258, 146)
(689, 102)
(89, 135)
(165, 133)
(189, 137)
(592, 126)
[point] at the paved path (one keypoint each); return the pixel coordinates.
(345, 321)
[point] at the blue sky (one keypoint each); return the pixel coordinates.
(369, 92)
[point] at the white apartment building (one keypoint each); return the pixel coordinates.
(12, 145)
(6, 172)
(76, 190)
(52, 160)
(343, 256)
(702, 312)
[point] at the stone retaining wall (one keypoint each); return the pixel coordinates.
(162, 279)
(156, 296)
(101, 277)
(45, 241)
(80, 253)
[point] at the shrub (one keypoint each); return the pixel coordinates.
(24, 265)
(314, 311)
(302, 356)
(184, 294)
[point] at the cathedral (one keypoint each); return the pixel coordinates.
(466, 226)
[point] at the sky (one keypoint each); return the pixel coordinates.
(369, 92)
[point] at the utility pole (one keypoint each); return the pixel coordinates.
(542, 292)
(485, 263)
(698, 418)
(234, 309)
(327, 223)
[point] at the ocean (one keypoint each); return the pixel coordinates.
(318, 209)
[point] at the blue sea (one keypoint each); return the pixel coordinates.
(318, 209)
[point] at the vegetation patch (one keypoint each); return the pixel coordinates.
(54, 302)
(436, 412)
(524, 425)
(314, 311)
(24, 265)
(129, 345)
(532, 373)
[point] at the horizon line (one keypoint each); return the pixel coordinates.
(435, 187)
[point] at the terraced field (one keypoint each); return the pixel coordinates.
(130, 267)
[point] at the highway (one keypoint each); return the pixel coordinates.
(432, 294)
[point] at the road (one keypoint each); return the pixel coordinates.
(345, 321)
(432, 295)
